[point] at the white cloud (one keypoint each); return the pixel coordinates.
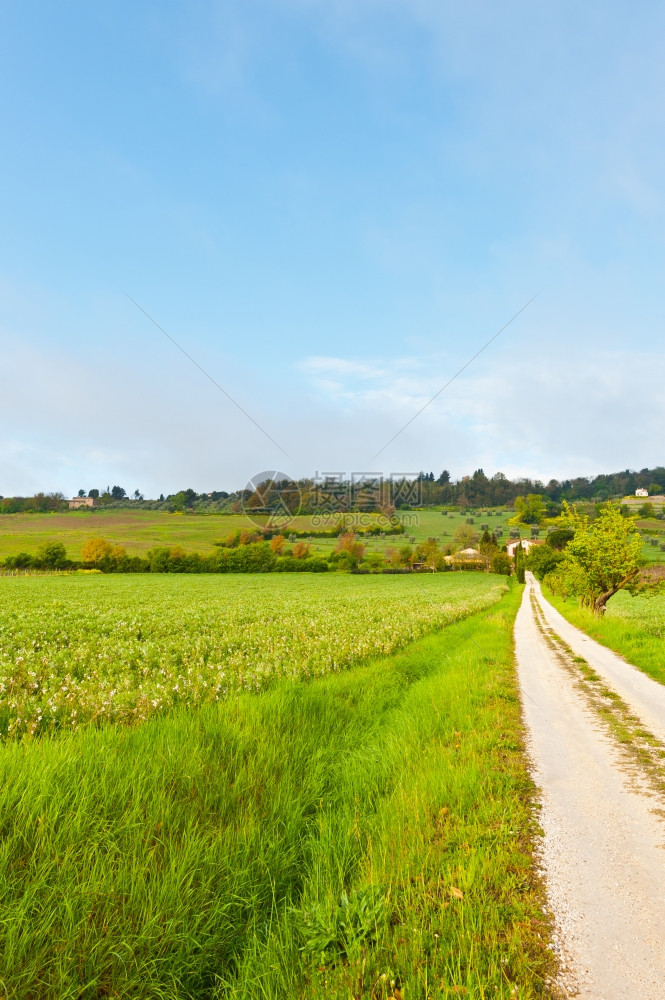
(549, 415)
(76, 423)
(542, 415)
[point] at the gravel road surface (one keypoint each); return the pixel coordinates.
(604, 846)
(645, 696)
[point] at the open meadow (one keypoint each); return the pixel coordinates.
(138, 531)
(653, 534)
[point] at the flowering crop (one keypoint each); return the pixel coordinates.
(85, 649)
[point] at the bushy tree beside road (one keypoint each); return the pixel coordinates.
(602, 557)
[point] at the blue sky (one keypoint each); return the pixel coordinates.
(331, 206)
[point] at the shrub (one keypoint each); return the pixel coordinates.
(94, 550)
(98, 553)
(501, 563)
(22, 560)
(254, 557)
(289, 564)
(51, 555)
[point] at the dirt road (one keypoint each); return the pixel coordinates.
(595, 732)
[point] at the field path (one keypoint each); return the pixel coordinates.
(645, 696)
(603, 851)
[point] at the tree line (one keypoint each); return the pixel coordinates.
(310, 496)
(262, 551)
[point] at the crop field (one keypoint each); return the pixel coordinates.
(76, 649)
(368, 834)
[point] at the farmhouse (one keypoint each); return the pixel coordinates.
(641, 493)
(78, 502)
(526, 543)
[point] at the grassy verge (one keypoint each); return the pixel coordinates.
(368, 834)
(627, 636)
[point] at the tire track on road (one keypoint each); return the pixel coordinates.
(643, 695)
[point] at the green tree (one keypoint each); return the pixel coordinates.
(22, 560)
(501, 563)
(559, 538)
(431, 555)
(530, 509)
(520, 563)
(603, 556)
(465, 537)
(489, 547)
(51, 555)
(543, 559)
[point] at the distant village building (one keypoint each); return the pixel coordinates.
(78, 502)
(641, 493)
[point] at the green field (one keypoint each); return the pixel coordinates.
(138, 531)
(652, 529)
(365, 834)
(75, 649)
(634, 627)
(645, 611)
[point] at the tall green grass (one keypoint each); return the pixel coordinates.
(363, 833)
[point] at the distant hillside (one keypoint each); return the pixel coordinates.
(477, 490)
